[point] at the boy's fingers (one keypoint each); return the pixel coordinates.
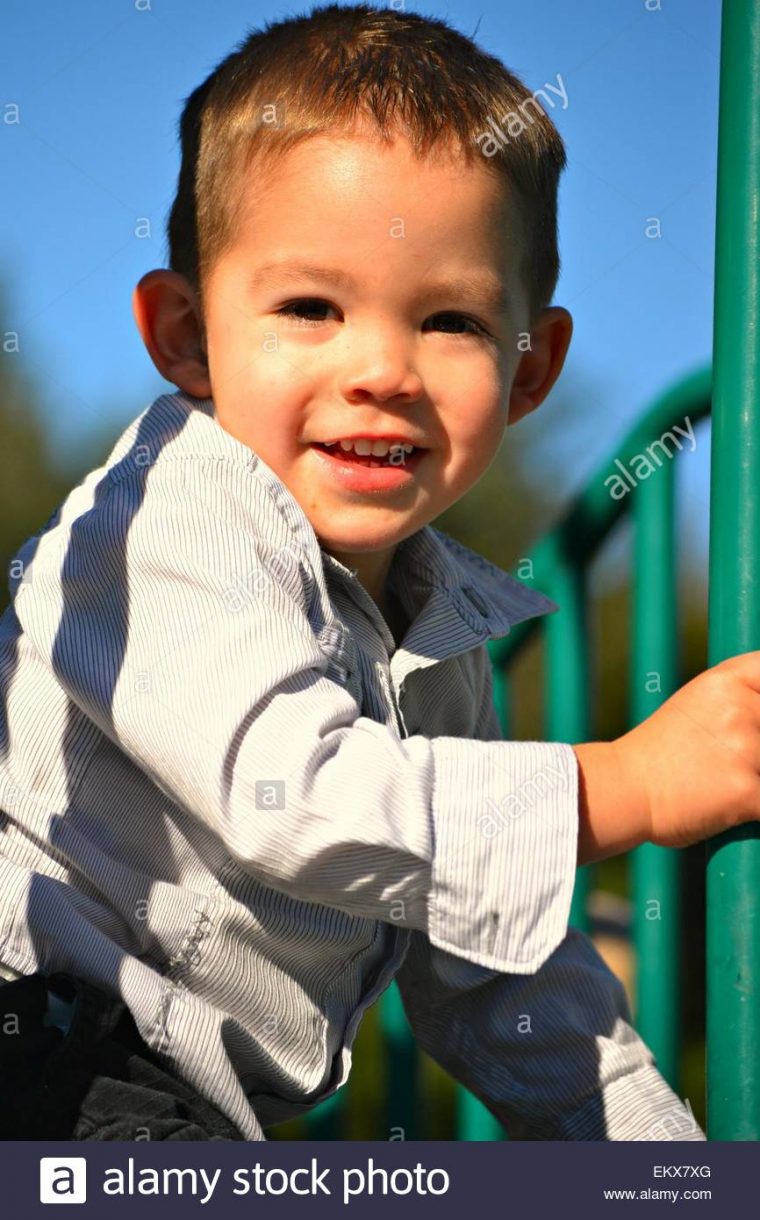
(736, 750)
(747, 665)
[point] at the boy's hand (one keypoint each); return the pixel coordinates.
(689, 771)
(697, 758)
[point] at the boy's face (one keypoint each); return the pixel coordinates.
(405, 340)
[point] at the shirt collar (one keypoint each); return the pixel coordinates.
(454, 597)
(489, 598)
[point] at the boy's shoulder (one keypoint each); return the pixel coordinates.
(175, 453)
(174, 483)
(175, 427)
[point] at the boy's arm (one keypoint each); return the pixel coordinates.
(552, 1055)
(237, 711)
(611, 812)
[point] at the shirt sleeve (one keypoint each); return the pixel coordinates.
(175, 613)
(552, 1055)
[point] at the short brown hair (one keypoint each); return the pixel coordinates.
(324, 71)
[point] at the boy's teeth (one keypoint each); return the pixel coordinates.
(367, 448)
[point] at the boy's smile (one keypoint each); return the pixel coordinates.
(370, 295)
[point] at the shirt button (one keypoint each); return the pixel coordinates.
(473, 596)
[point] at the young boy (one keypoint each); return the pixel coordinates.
(250, 757)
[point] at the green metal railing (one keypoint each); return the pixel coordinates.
(560, 567)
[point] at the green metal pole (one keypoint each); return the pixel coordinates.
(733, 859)
(655, 871)
(567, 681)
(401, 1065)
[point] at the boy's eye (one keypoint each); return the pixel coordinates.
(477, 329)
(306, 305)
(310, 305)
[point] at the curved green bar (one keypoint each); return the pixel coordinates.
(733, 868)
(591, 517)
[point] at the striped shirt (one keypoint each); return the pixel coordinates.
(227, 797)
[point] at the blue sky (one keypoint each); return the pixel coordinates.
(100, 84)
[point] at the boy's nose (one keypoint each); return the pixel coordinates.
(381, 371)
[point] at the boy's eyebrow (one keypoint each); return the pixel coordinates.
(479, 290)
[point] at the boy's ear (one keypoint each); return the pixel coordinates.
(168, 316)
(540, 367)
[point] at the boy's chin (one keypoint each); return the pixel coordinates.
(363, 542)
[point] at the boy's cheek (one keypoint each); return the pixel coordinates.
(476, 422)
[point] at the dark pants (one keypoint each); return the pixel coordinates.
(99, 1081)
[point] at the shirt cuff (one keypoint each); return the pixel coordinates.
(639, 1105)
(505, 824)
